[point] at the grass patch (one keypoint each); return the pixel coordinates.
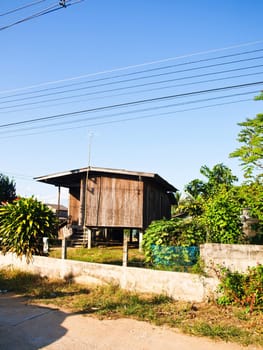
(218, 331)
(107, 255)
(113, 255)
(218, 322)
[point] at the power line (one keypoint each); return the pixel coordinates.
(37, 14)
(155, 108)
(21, 8)
(143, 71)
(46, 11)
(132, 103)
(125, 87)
(251, 43)
(121, 94)
(130, 119)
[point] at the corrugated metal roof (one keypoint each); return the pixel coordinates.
(71, 178)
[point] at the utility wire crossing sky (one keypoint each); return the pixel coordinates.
(186, 74)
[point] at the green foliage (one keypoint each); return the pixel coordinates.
(241, 289)
(250, 153)
(251, 196)
(196, 187)
(190, 206)
(222, 217)
(168, 233)
(192, 232)
(212, 217)
(219, 215)
(23, 224)
(7, 189)
(220, 174)
(159, 232)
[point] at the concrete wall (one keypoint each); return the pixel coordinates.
(180, 286)
(237, 257)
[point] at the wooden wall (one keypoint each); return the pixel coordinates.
(114, 202)
(74, 204)
(118, 202)
(156, 204)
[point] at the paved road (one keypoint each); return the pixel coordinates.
(29, 327)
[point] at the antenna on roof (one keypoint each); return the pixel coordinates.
(91, 134)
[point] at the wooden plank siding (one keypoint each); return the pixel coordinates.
(114, 198)
(156, 204)
(74, 204)
(114, 202)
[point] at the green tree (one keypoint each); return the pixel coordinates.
(222, 217)
(23, 224)
(251, 196)
(7, 189)
(222, 212)
(196, 188)
(220, 174)
(251, 151)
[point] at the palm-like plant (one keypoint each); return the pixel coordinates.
(23, 224)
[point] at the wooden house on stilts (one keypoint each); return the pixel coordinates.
(105, 202)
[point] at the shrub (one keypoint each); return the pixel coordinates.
(222, 217)
(241, 289)
(162, 234)
(159, 232)
(23, 224)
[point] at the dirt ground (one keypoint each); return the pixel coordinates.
(29, 327)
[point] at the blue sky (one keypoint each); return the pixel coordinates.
(92, 37)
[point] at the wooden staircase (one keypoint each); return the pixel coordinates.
(78, 239)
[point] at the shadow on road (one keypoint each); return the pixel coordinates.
(28, 327)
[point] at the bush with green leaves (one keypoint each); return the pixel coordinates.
(222, 214)
(23, 224)
(159, 232)
(245, 289)
(168, 233)
(222, 217)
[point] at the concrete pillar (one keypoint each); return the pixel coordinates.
(64, 249)
(89, 236)
(140, 240)
(126, 236)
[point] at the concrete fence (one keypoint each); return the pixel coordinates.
(237, 257)
(178, 285)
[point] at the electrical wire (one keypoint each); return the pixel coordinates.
(48, 123)
(35, 15)
(46, 11)
(118, 95)
(251, 43)
(165, 114)
(119, 89)
(126, 104)
(121, 114)
(21, 8)
(139, 72)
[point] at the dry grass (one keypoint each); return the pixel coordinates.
(225, 323)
